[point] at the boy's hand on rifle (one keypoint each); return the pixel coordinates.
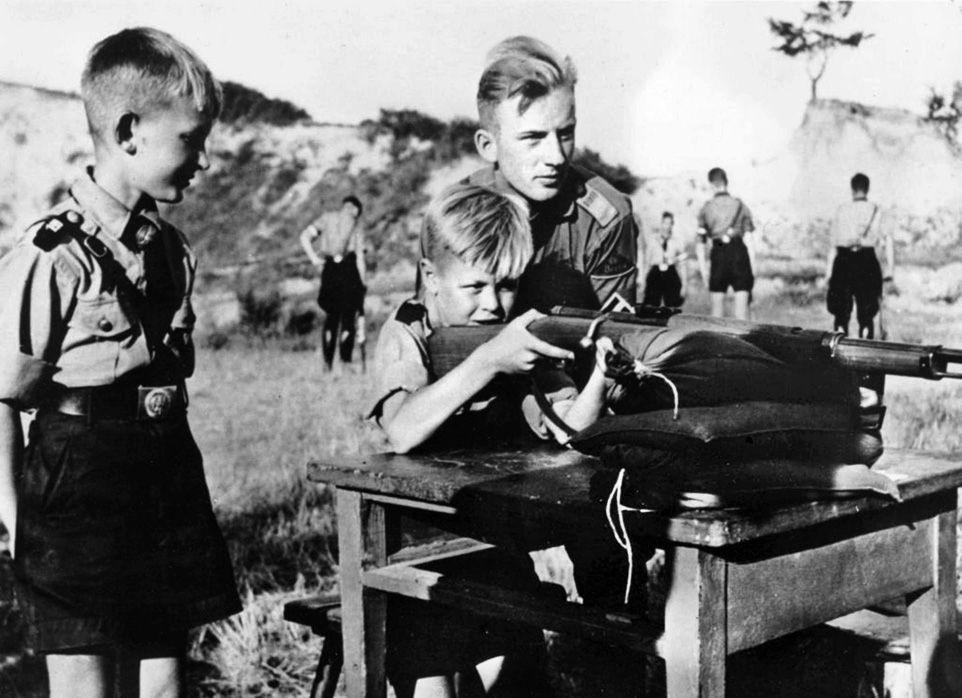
(515, 350)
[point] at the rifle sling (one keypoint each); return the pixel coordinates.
(548, 409)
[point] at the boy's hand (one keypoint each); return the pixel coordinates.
(515, 350)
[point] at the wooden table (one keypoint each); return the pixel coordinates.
(737, 578)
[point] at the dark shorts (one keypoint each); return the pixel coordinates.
(341, 292)
(117, 543)
(856, 275)
(730, 267)
(663, 287)
(426, 639)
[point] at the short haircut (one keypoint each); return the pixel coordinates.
(860, 183)
(521, 65)
(717, 174)
(668, 214)
(141, 70)
(354, 201)
(479, 226)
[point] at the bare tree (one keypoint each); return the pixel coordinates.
(814, 39)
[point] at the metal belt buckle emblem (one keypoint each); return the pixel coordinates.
(155, 403)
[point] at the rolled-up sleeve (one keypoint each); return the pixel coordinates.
(34, 286)
(401, 364)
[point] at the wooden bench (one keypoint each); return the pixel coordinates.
(322, 614)
(736, 579)
(888, 670)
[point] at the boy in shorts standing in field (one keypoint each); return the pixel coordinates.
(726, 222)
(665, 281)
(116, 549)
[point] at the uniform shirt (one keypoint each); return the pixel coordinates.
(857, 223)
(585, 243)
(724, 215)
(62, 318)
(664, 251)
(403, 364)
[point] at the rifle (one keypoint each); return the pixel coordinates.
(567, 327)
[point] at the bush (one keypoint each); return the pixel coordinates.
(261, 311)
(618, 176)
(247, 105)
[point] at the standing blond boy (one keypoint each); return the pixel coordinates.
(116, 549)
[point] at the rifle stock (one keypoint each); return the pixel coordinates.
(565, 328)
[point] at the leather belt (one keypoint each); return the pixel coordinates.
(856, 248)
(128, 403)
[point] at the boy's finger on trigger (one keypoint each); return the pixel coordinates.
(550, 350)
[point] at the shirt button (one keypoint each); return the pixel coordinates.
(105, 324)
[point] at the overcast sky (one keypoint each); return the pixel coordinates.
(664, 86)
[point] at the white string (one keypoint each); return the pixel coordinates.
(620, 530)
(643, 371)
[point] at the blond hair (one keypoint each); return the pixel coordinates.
(479, 226)
(521, 65)
(140, 70)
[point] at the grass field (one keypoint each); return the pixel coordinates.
(260, 412)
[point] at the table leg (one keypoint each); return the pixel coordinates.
(696, 624)
(363, 610)
(932, 613)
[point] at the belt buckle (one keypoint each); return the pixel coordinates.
(155, 402)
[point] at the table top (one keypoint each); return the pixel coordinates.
(547, 487)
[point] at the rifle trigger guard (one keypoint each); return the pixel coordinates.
(591, 335)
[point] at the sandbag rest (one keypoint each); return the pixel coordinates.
(753, 454)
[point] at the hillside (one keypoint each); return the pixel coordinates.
(267, 182)
(916, 178)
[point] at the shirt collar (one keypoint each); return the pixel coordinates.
(110, 215)
(721, 193)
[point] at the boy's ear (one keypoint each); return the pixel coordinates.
(429, 275)
(486, 145)
(124, 133)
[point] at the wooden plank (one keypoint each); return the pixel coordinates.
(932, 614)
(529, 607)
(528, 489)
(363, 612)
(695, 643)
(773, 596)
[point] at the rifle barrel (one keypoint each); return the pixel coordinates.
(567, 326)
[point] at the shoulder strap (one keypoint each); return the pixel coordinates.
(738, 213)
(597, 205)
(870, 221)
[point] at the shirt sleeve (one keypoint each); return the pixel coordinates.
(400, 363)
(614, 267)
(37, 290)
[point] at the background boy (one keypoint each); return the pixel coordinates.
(116, 549)
(852, 266)
(342, 272)
(583, 231)
(727, 223)
(667, 272)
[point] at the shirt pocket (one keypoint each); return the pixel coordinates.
(101, 319)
